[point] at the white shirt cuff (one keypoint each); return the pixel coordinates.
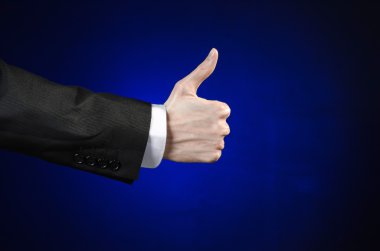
(155, 147)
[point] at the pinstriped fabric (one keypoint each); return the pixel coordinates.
(54, 122)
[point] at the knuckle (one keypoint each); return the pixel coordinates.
(220, 145)
(223, 108)
(203, 68)
(179, 84)
(214, 157)
(227, 111)
(222, 105)
(221, 124)
(226, 130)
(217, 155)
(215, 104)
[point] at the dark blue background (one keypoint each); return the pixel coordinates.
(299, 168)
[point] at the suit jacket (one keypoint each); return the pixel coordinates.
(95, 132)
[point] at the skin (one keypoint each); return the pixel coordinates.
(196, 126)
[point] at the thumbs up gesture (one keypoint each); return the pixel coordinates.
(196, 127)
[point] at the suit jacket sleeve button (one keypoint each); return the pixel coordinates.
(102, 163)
(90, 160)
(78, 158)
(116, 166)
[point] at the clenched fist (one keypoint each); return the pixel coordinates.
(196, 127)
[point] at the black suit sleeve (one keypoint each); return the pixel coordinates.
(96, 132)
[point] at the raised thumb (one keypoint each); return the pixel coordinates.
(202, 72)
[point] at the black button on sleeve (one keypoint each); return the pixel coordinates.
(102, 163)
(114, 165)
(78, 158)
(117, 166)
(90, 161)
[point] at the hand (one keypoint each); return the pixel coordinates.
(196, 127)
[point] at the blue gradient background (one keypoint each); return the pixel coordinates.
(296, 173)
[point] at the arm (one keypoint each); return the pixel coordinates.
(95, 132)
(107, 134)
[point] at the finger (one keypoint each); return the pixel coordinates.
(202, 72)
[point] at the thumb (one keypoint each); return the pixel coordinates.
(202, 72)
